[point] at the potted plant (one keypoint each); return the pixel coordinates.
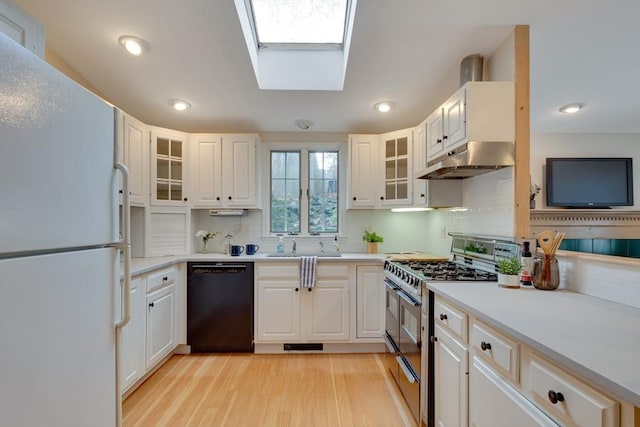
(372, 239)
(509, 272)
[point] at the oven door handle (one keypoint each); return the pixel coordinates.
(405, 369)
(408, 299)
(389, 284)
(390, 344)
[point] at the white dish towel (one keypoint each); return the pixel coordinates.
(308, 266)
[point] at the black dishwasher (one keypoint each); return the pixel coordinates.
(220, 307)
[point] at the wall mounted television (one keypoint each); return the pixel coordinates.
(589, 182)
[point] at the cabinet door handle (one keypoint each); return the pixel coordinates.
(443, 317)
(433, 339)
(151, 304)
(120, 191)
(354, 198)
(438, 141)
(297, 289)
(555, 396)
(485, 346)
(165, 278)
(185, 199)
(444, 137)
(422, 195)
(309, 289)
(218, 198)
(229, 197)
(381, 197)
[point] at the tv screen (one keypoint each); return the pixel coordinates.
(589, 182)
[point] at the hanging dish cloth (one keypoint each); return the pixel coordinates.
(308, 266)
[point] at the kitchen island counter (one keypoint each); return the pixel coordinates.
(595, 339)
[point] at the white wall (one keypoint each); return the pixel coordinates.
(401, 231)
(584, 145)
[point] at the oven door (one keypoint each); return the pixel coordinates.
(410, 331)
(392, 311)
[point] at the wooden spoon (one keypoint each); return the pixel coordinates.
(545, 240)
(556, 243)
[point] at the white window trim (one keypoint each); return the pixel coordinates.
(304, 149)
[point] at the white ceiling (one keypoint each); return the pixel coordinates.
(406, 51)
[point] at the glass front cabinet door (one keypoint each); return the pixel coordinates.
(168, 165)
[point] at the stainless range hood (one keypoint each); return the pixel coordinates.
(471, 159)
(228, 212)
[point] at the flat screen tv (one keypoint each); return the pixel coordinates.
(589, 182)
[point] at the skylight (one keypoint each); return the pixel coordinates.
(298, 44)
(304, 24)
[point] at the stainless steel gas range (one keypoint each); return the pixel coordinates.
(409, 322)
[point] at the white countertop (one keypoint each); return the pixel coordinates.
(596, 339)
(145, 265)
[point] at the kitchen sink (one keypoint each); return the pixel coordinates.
(297, 255)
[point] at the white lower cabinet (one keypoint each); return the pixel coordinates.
(132, 364)
(157, 325)
(369, 301)
(286, 312)
(508, 383)
(495, 403)
(451, 382)
(160, 319)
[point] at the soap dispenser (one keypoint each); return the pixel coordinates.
(280, 247)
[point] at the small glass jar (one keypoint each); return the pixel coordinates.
(546, 275)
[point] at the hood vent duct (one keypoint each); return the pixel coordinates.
(471, 159)
(471, 69)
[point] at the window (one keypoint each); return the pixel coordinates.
(308, 23)
(317, 211)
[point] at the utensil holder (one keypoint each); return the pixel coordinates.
(546, 275)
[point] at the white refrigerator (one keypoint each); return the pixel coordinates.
(62, 301)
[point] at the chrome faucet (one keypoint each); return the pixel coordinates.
(321, 247)
(293, 248)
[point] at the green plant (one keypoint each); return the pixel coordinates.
(510, 266)
(372, 237)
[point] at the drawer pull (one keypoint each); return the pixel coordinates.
(486, 346)
(165, 278)
(433, 339)
(443, 317)
(555, 396)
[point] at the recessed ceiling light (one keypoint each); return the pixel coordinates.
(571, 108)
(134, 45)
(384, 107)
(179, 104)
(304, 124)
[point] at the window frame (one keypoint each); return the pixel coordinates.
(304, 149)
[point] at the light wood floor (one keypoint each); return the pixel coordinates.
(269, 390)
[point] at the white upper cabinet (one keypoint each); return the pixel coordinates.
(478, 111)
(134, 151)
(398, 170)
(22, 28)
(168, 167)
(362, 186)
(223, 171)
(206, 170)
(431, 193)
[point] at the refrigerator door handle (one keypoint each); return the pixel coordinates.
(125, 247)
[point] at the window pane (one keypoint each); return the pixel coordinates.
(278, 165)
(323, 192)
(300, 21)
(285, 192)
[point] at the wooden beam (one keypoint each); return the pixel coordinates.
(522, 172)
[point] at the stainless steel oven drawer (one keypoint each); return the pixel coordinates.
(409, 386)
